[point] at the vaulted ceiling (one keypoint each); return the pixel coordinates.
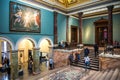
(73, 7)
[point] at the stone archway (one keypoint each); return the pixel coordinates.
(45, 51)
(44, 45)
(26, 48)
(6, 46)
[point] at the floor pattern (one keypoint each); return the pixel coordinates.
(69, 73)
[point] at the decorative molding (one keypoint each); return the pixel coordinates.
(90, 7)
(47, 38)
(26, 37)
(9, 41)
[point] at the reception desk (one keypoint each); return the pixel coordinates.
(108, 61)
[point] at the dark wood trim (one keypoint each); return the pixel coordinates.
(67, 29)
(55, 28)
(80, 27)
(110, 24)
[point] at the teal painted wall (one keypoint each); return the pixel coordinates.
(46, 24)
(61, 27)
(4, 15)
(73, 21)
(88, 30)
(116, 27)
(61, 24)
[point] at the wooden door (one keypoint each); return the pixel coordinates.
(74, 34)
(101, 31)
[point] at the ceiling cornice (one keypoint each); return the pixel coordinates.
(87, 8)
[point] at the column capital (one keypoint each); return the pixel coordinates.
(110, 8)
(55, 13)
(80, 13)
(67, 16)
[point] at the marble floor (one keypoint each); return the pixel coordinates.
(62, 73)
(43, 68)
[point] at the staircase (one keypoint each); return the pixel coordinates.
(94, 61)
(111, 74)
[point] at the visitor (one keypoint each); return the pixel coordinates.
(66, 44)
(30, 65)
(96, 49)
(59, 45)
(62, 44)
(78, 56)
(71, 58)
(86, 52)
(47, 61)
(87, 62)
(5, 65)
(8, 72)
(51, 63)
(20, 72)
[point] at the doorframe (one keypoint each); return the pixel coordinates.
(96, 33)
(99, 24)
(72, 26)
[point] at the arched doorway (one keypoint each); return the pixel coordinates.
(6, 47)
(25, 45)
(45, 52)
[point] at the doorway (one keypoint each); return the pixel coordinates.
(74, 34)
(101, 31)
(27, 48)
(45, 54)
(5, 54)
(102, 35)
(25, 54)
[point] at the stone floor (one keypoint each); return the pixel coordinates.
(43, 68)
(68, 73)
(62, 73)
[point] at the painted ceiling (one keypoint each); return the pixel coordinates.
(68, 3)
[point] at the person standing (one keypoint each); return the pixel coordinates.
(51, 63)
(71, 57)
(86, 52)
(87, 62)
(96, 49)
(78, 56)
(30, 65)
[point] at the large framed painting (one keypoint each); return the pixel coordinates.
(24, 18)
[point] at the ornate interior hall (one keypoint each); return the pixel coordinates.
(60, 40)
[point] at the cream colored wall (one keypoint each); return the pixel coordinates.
(44, 46)
(25, 45)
